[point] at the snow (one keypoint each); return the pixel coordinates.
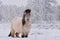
(36, 33)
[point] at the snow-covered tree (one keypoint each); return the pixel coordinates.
(50, 10)
(37, 9)
(42, 10)
(0, 11)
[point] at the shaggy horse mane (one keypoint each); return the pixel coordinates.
(23, 20)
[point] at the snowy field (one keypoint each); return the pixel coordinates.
(38, 32)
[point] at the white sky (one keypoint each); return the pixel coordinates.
(15, 2)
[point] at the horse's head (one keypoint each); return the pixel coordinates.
(27, 14)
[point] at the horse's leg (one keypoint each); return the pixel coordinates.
(17, 34)
(11, 33)
(24, 35)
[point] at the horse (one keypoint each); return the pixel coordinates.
(21, 25)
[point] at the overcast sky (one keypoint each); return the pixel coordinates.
(15, 2)
(18, 2)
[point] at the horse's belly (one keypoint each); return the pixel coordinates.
(17, 25)
(18, 29)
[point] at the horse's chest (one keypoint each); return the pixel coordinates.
(26, 27)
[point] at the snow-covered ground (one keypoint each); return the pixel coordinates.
(38, 32)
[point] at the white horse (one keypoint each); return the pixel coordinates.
(21, 25)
